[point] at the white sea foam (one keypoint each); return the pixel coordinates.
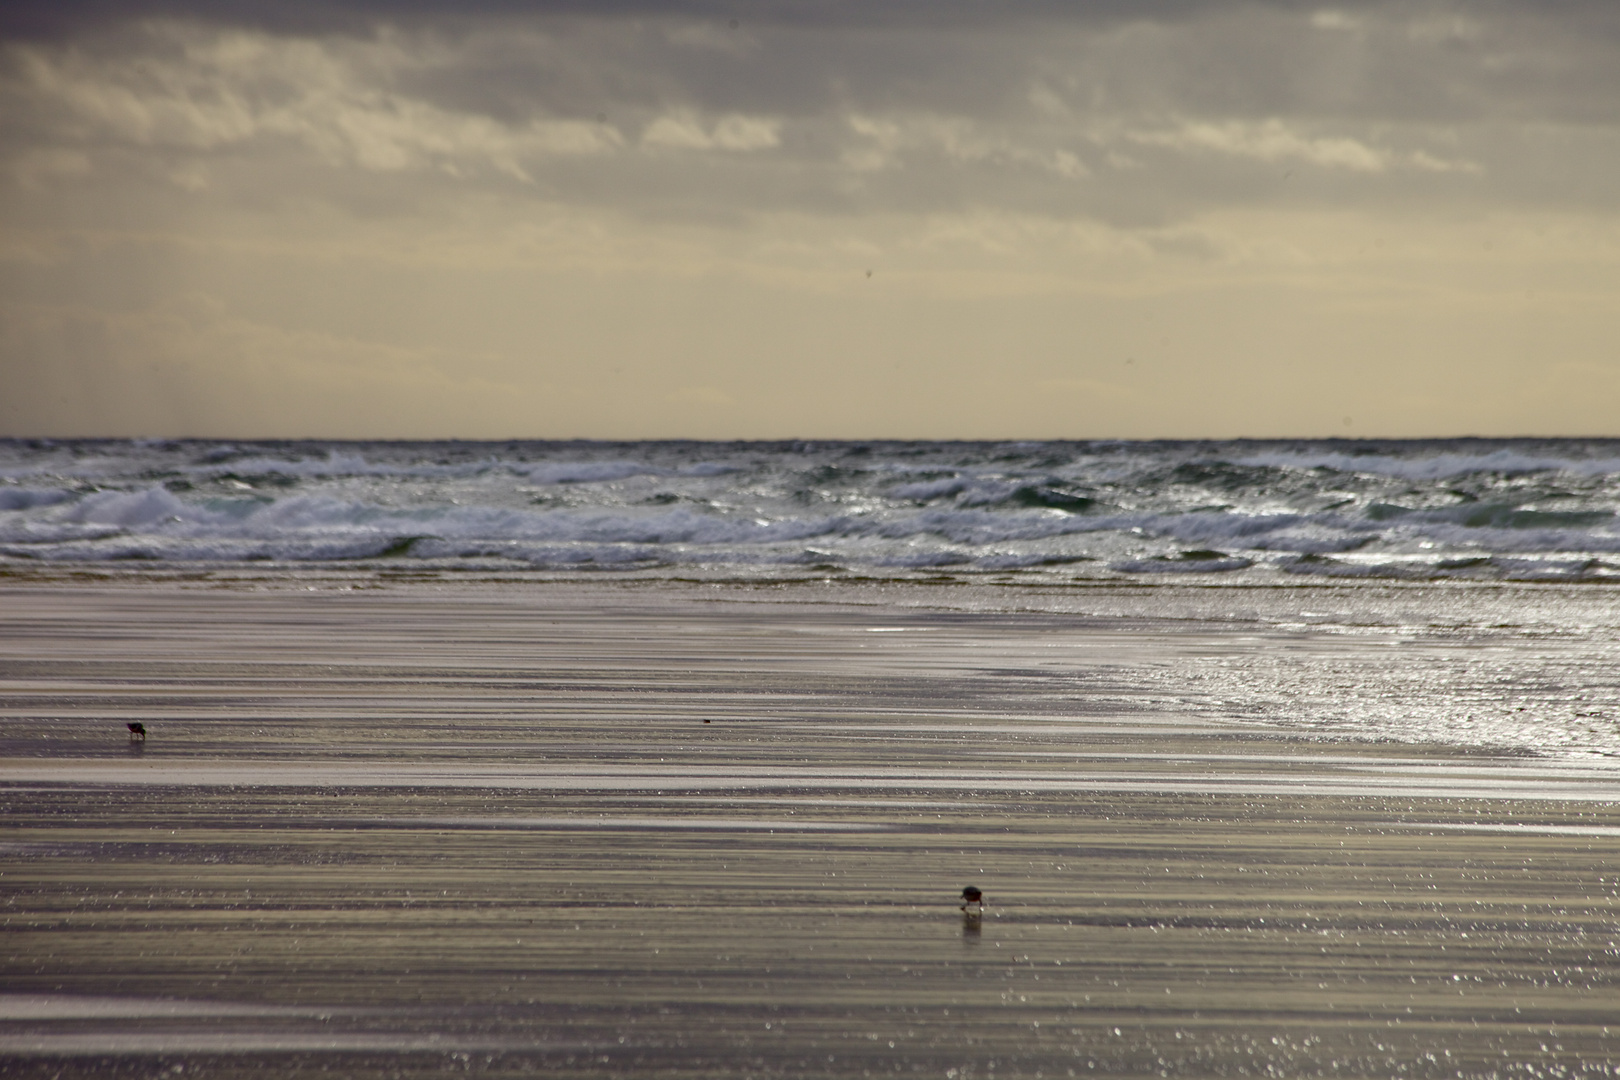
(131, 510)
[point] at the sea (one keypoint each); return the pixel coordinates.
(1537, 510)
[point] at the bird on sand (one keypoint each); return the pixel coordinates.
(137, 731)
(973, 897)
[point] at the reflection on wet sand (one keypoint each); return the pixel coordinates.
(451, 828)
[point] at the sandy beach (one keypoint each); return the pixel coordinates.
(398, 826)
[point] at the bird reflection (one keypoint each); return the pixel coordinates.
(972, 911)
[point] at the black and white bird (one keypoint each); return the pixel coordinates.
(973, 897)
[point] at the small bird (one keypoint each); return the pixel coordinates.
(973, 897)
(137, 731)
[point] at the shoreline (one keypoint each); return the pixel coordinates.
(404, 830)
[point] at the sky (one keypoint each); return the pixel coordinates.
(951, 219)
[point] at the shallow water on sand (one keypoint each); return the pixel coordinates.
(613, 829)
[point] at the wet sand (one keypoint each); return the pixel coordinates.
(693, 830)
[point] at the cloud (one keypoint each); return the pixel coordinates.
(1274, 140)
(374, 191)
(193, 90)
(1270, 140)
(1331, 19)
(911, 140)
(1130, 114)
(685, 130)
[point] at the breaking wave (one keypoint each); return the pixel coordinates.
(1509, 510)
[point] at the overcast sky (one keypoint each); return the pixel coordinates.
(947, 219)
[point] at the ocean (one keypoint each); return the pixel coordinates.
(1250, 511)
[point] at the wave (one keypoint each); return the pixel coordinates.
(333, 465)
(29, 498)
(1438, 466)
(1491, 515)
(1542, 510)
(1187, 562)
(1492, 568)
(134, 509)
(588, 472)
(928, 491)
(159, 510)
